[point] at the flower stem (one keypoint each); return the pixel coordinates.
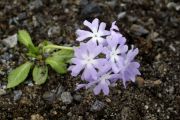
(58, 47)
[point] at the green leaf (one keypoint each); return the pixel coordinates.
(24, 38)
(65, 55)
(31, 54)
(57, 64)
(40, 74)
(59, 59)
(33, 49)
(43, 44)
(19, 74)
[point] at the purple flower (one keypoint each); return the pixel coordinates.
(129, 68)
(97, 32)
(114, 27)
(105, 79)
(104, 59)
(114, 50)
(86, 59)
(101, 84)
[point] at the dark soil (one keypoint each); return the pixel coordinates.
(152, 25)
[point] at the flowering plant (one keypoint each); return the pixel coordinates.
(103, 58)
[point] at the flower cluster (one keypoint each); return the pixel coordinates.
(103, 57)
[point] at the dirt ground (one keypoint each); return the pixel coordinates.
(152, 25)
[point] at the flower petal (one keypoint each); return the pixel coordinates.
(95, 24)
(97, 89)
(102, 26)
(82, 35)
(105, 89)
(123, 48)
(93, 72)
(92, 26)
(79, 86)
(114, 27)
(76, 69)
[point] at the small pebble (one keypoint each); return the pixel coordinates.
(2, 92)
(55, 30)
(36, 4)
(66, 97)
(153, 35)
(91, 8)
(17, 95)
(146, 107)
(11, 41)
(121, 15)
(49, 96)
(21, 16)
(69, 114)
(171, 5)
(112, 3)
(159, 40)
(63, 107)
(97, 106)
(77, 97)
(83, 2)
(59, 90)
(36, 117)
(132, 18)
(138, 30)
(174, 5)
(150, 117)
(172, 47)
(29, 83)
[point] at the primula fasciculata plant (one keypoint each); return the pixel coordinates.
(102, 59)
(40, 57)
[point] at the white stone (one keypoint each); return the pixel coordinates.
(11, 41)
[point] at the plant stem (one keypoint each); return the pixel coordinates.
(58, 47)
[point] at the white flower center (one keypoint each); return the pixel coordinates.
(89, 61)
(104, 79)
(114, 54)
(96, 35)
(105, 76)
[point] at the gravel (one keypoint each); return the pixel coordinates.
(97, 106)
(77, 97)
(2, 92)
(17, 95)
(59, 90)
(36, 4)
(11, 41)
(90, 9)
(66, 97)
(49, 96)
(121, 15)
(55, 30)
(36, 117)
(138, 30)
(174, 5)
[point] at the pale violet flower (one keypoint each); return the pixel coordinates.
(114, 26)
(114, 49)
(104, 59)
(101, 84)
(104, 81)
(86, 60)
(96, 34)
(129, 67)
